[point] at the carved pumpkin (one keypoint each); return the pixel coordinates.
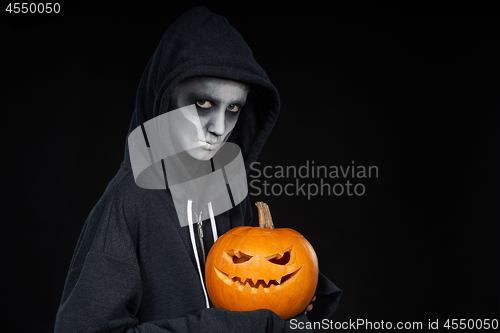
(250, 268)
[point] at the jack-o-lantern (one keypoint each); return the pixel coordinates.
(250, 268)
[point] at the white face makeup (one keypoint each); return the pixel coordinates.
(218, 104)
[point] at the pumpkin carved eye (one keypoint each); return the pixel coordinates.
(279, 259)
(238, 257)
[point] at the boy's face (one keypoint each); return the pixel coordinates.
(218, 104)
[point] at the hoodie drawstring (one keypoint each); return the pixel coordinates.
(195, 249)
(212, 221)
(193, 242)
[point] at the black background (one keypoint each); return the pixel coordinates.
(411, 89)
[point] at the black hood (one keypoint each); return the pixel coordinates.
(201, 43)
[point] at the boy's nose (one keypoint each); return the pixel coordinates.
(216, 125)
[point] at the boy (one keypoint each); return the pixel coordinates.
(137, 266)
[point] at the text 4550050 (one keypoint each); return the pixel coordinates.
(33, 8)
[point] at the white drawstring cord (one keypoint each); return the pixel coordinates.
(195, 249)
(212, 221)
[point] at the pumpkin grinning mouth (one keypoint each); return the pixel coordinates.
(254, 284)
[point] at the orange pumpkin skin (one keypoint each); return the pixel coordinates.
(245, 265)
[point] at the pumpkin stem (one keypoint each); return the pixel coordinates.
(265, 220)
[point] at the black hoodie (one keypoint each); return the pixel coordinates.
(134, 267)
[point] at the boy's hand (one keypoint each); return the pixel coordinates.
(310, 306)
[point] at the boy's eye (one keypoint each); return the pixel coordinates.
(203, 104)
(233, 108)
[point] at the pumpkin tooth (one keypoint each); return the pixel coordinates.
(240, 286)
(266, 281)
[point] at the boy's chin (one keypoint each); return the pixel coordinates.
(202, 154)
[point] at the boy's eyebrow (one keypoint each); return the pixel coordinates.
(207, 95)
